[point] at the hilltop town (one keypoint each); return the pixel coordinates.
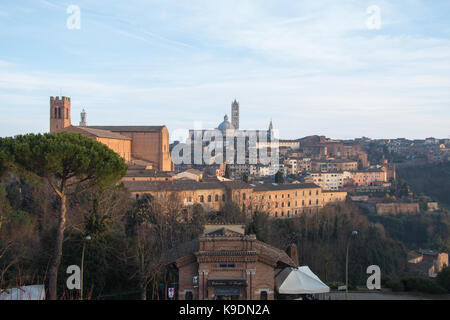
(298, 176)
(229, 213)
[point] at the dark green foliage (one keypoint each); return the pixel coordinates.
(430, 179)
(279, 178)
(394, 285)
(443, 278)
(259, 226)
(230, 213)
(418, 230)
(96, 225)
(198, 214)
(321, 239)
(422, 285)
(63, 156)
(227, 171)
(71, 164)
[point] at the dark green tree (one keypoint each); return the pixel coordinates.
(443, 278)
(227, 171)
(279, 178)
(71, 164)
(231, 213)
(259, 226)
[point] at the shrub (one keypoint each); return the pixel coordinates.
(422, 285)
(396, 286)
(443, 278)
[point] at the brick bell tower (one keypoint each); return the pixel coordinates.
(59, 113)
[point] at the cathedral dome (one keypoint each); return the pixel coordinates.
(225, 125)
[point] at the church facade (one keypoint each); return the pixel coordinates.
(147, 145)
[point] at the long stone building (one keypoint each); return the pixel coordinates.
(135, 144)
(278, 200)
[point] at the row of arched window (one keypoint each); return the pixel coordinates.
(210, 198)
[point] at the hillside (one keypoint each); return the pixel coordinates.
(432, 180)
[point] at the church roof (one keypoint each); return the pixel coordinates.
(129, 128)
(96, 132)
(179, 185)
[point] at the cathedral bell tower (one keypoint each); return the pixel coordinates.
(59, 113)
(235, 114)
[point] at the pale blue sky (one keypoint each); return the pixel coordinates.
(314, 67)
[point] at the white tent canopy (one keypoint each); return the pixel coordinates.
(299, 280)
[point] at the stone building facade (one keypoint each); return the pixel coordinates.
(278, 200)
(226, 264)
(133, 143)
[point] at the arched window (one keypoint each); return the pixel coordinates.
(216, 198)
(189, 295)
(202, 199)
(223, 197)
(59, 113)
(56, 113)
(263, 295)
(209, 198)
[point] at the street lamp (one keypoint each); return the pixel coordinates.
(353, 234)
(86, 239)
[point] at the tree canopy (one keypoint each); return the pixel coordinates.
(64, 156)
(71, 163)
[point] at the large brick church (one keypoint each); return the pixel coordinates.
(148, 145)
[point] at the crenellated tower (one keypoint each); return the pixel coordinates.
(59, 113)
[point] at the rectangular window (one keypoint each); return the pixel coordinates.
(227, 265)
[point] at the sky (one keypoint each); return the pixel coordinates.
(343, 69)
